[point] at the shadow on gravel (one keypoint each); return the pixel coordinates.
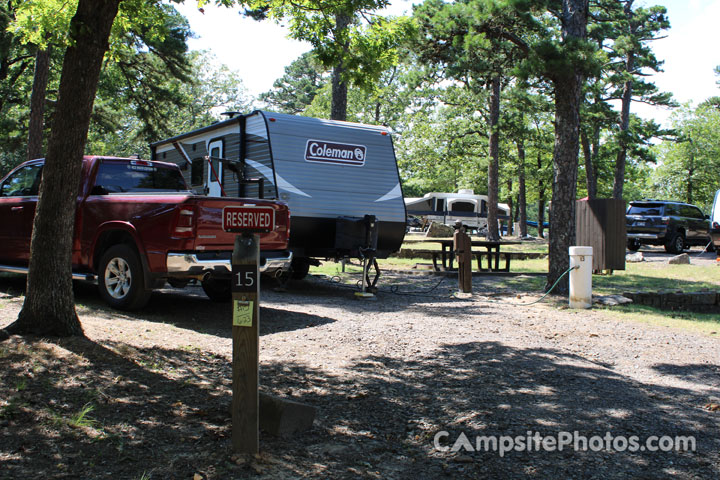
(164, 414)
(708, 375)
(383, 420)
(190, 309)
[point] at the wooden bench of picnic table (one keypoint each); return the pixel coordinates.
(440, 259)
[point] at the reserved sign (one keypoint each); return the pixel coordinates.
(248, 218)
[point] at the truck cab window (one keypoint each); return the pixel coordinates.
(23, 183)
(123, 177)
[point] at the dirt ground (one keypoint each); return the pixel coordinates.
(387, 376)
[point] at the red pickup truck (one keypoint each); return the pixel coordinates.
(137, 226)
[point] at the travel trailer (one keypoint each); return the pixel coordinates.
(448, 208)
(340, 179)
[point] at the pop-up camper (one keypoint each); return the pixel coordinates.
(715, 223)
(448, 208)
(339, 179)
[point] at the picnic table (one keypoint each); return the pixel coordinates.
(492, 253)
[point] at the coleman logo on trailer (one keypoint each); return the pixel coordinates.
(337, 153)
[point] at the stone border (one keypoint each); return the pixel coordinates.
(704, 301)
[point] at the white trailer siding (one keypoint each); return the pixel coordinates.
(323, 189)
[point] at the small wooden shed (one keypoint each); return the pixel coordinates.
(600, 223)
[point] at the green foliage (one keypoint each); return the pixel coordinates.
(16, 70)
(364, 49)
(442, 149)
(294, 92)
(121, 128)
(150, 87)
(689, 165)
(46, 22)
(623, 33)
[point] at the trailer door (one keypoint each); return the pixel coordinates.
(214, 169)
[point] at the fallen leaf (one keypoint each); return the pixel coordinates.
(713, 407)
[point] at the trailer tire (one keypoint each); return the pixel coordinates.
(120, 278)
(299, 268)
(218, 289)
(633, 244)
(178, 282)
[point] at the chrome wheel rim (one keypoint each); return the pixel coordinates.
(118, 278)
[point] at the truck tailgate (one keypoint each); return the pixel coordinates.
(210, 233)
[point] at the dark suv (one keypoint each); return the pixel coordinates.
(675, 225)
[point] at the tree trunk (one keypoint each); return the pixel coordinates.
(338, 104)
(49, 304)
(568, 93)
(541, 201)
(595, 155)
(37, 104)
(619, 180)
(510, 204)
(690, 174)
(590, 179)
(522, 201)
(494, 163)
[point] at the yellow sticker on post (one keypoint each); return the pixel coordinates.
(242, 313)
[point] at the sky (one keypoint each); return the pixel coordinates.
(260, 51)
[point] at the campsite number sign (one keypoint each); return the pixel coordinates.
(249, 221)
(244, 278)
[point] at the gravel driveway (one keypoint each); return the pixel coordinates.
(391, 376)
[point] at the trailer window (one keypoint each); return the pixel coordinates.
(121, 177)
(463, 207)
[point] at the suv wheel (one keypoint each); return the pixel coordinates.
(676, 243)
(633, 244)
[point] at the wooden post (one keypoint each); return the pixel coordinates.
(463, 246)
(245, 334)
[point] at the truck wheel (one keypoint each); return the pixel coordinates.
(218, 289)
(633, 244)
(676, 243)
(121, 281)
(299, 268)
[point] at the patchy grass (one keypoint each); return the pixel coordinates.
(79, 419)
(706, 323)
(649, 276)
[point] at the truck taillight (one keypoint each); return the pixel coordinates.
(185, 223)
(665, 220)
(287, 210)
(716, 226)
